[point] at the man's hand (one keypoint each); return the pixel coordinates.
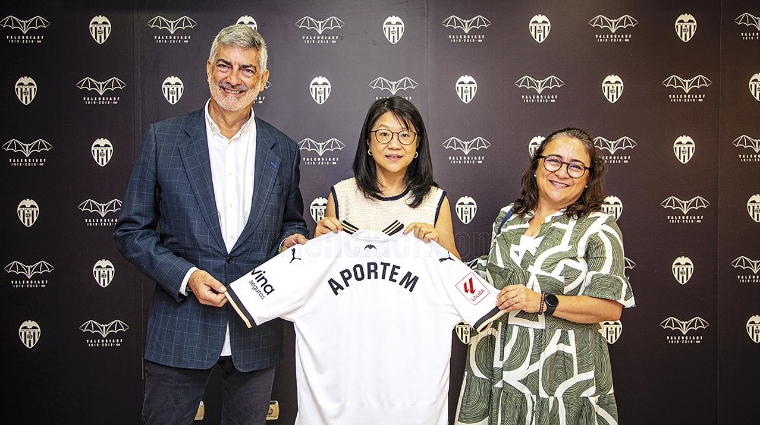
(206, 289)
(292, 240)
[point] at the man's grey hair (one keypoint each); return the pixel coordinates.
(243, 36)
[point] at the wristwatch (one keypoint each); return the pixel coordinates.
(551, 303)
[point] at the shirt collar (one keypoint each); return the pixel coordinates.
(215, 128)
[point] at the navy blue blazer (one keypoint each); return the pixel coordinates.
(168, 223)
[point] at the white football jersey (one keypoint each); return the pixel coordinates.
(373, 316)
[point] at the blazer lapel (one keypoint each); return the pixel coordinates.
(195, 157)
(265, 176)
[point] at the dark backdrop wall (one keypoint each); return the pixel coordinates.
(671, 91)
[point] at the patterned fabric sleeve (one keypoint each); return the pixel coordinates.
(606, 263)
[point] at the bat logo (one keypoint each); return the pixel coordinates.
(29, 332)
(753, 207)
(393, 28)
(96, 328)
(33, 23)
(613, 146)
(112, 83)
(683, 148)
(748, 20)
(682, 269)
(611, 330)
(684, 326)
(293, 255)
(466, 25)
(601, 21)
(686, 26)
(317, 208)
(102, 209)
(247, 20)
(320, 148)
(549, 82)
(178, 24)
(466, 146)
(612, 88)
(687, 84)
(393, 86)
(319, 26)
(466, 88)
(613, 206)
(742, 262)
(26, 90)
(39, 267)
(539, 27)
(172, 88)
(27, 149)
(100, 29)
(466, 207)
(629, 264)
(745, 141)
(694, 203)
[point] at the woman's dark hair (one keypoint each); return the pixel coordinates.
(592, 196)
(419, 174)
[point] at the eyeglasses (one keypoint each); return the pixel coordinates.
(553, 163)
(405, 137)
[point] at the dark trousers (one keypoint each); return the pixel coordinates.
(172, 395)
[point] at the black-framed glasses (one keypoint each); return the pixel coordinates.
(405, 137)
(553, 163)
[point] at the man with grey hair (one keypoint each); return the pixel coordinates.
(213, 194)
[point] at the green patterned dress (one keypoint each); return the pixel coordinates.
(535, 369)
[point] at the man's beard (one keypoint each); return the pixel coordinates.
(229, 102)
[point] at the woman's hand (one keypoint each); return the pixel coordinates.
(518, 297)
(424, 231)
(327, 225)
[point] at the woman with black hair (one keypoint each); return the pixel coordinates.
(393, 185)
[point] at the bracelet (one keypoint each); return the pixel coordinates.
(543, 302)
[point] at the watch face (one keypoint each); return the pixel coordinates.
(552, 300)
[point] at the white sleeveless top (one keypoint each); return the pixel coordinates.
(379, 213)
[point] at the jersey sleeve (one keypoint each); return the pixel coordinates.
(277, 288)
(472, 297)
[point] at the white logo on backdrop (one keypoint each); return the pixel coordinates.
(611, 330)
(534, 144)
(29, 332)
(749, 20)
(320, 26)
(601, 21)
(102, 151)
(103, 271)
(683, 148)
(101, 209)
(686, 26)
(100, 87)
(684, 327)
(686, 84)
(27, 149)
(629, 264)
(383, 83)
(28, 211)
(112, 327)
(754, 86)
(247, 20)
(529, 82)
(748, 142)
(40, 267)
(753, 207)
(100, 28)
(170, 25)
(393, 28)
(466, 207)
(683, 269)
(466, 146)
(26, 90)
(172, 88)
(753, 328)
(329, 145)
(320, 89)
(612, 88)
(694, 203)
(317, 208)
(23, 25)
(613, 146)
(613, 206)
(746, 263)
(466, 87)
(466, 25)
(539, 27)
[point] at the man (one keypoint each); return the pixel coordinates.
(213, 194)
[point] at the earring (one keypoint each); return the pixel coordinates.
(369, 152)
(416, 154)
(534, 175)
